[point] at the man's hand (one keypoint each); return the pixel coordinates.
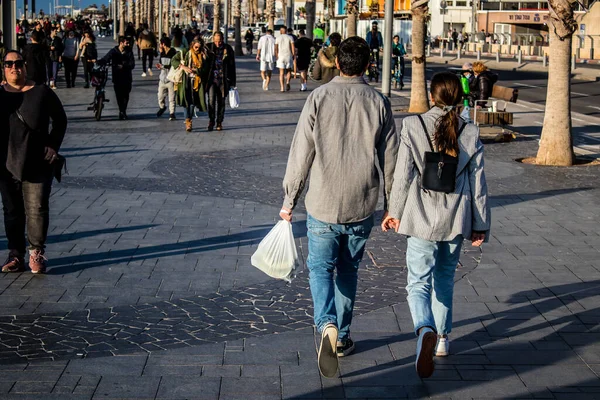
(477, 238)
(159, 65)
(257, 58)
(286, 214)
(50, 155)
(388, 223)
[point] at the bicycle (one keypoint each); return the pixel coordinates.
(99, 79)
(397, 74)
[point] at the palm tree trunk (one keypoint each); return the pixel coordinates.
(419, 102)
(237, 22)
(311, 13)
(122, 16)
(271, 13)
(352, 14)
(217, 16)
(284, 11)
(556, 144)
(167, 13)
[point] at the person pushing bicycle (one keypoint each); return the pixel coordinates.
(398, 53)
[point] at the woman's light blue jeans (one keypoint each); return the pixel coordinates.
(339, 248)
(431, 267)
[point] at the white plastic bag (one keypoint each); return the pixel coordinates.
(234, 98)
(276, 254)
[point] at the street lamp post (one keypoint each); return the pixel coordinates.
(386, 78)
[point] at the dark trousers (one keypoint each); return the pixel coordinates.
(87, 70)
(216, 104)
(26, 203)
(376, 56)
(147, 56)
(70, 65)
(122, 91)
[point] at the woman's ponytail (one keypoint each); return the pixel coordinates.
(446, 133)
(446, 92)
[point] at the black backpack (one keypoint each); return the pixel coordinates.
(439, 173)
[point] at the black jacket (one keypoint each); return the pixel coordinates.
(229, 73)
(37, 57)
(57, 43)
(485, 85)
(122, 65)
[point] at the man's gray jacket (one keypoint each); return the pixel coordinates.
(346, 130)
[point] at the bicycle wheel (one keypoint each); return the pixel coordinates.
(99, 107)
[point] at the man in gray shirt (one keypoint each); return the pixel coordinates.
(345, 132)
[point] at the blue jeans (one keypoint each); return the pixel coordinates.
(188, 112)
(431, 267)
(335, 247)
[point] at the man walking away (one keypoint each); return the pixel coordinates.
(123, 63)
(37, 57)
(266, 56)
(341, 143)
(375, 41)
(147, 42)
(303, 52)
(165, 87)
(284, 52)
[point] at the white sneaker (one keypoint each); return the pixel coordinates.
(425, 346)
(328, 359)
(264, 84)
(443, 347)
(150, 71)
(144, 74)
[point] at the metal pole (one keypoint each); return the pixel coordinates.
(160, 19)
(386, 79)
(115, 33)
(9, 18)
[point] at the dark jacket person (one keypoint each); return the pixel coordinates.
(37, 57)
(123, 63)
(222, 79)
(484, 82)
(27, 155)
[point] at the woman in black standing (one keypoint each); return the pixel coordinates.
(28, 154)
(221, 79)
(249, 38)
(89, 55)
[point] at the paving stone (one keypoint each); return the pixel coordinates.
(189, 387)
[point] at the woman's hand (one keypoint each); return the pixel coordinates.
(388, 223)
(50, 155)
(477, 238)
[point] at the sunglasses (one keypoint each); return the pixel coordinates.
(16, 63)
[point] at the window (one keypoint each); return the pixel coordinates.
(530, 6)
(490, 6)
(510, 6)
(460, 3)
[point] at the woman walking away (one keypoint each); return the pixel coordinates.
(70, 58)
(56, 50)
(249, 38)
(325, 69)
(437, 205)
(222, 78)
(196, 64)
(89, 55)
(30, 154)
(147, 42)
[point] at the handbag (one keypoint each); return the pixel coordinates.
(439, 173)
(175, 75)
(234, 98)
(58, 164)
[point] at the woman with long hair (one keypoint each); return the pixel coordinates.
(190, 91)
(437, 222)
(89, 55)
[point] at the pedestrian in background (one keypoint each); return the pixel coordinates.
(30, 152)
(325, 68)
(88, 54)
(56, 51)
(196, 64)
(249, 38)
(266, 56)
(37, 57)
(435, 222)
(123, 63)
(165, 87)
(304, 48)
(70, 58)
(222, 80)
(285, 54)
(375, 41)
(147, 43)
(341, 143)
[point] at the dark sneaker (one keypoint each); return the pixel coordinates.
(345, 347)
(219, 126)
(14, 264)
(172, 117)
(161, 111)
(328, 361)
(37, 262)
(121, 116)
(211, 127)
(425, 348)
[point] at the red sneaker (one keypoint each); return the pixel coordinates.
(37, 261)
(14, 264)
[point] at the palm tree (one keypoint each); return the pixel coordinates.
(271, 13)
(556, 144)
(311, 12)
(122, 16)
(418, 88)
(217, 16)
(237, 22)
(352, 15)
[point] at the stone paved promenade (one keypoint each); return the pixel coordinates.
(151, 294)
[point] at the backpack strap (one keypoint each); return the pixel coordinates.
(426, 134)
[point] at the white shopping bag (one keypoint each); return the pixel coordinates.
(276, 254)
(234, 98)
